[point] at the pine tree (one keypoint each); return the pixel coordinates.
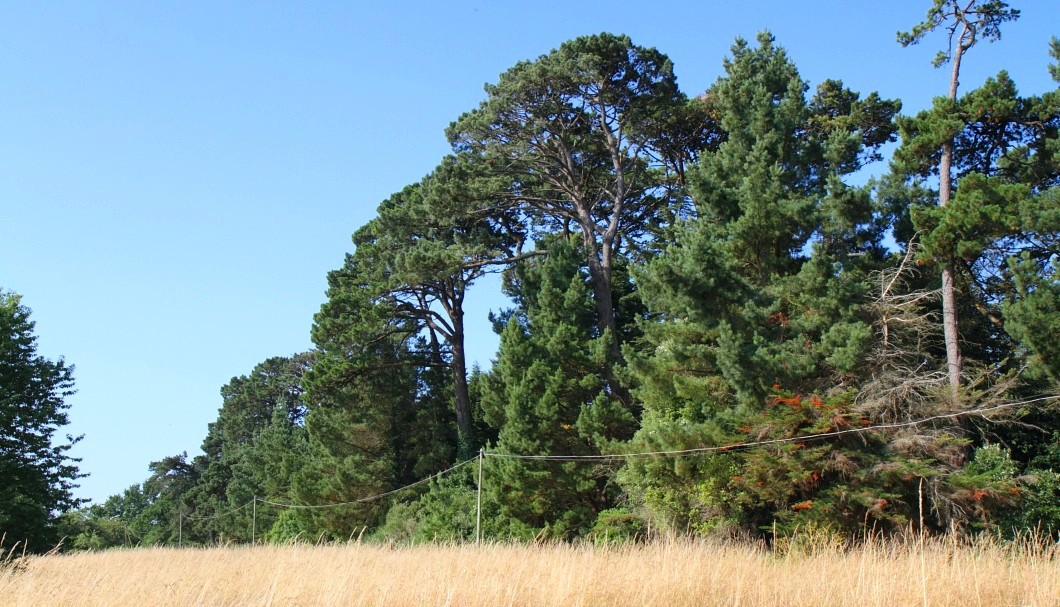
(251, 451)
(546, 395)
(758, 331)
(593, 139)
(999, 228)
(967, 24)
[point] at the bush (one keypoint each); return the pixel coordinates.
(287, 528)
(618, 525)
(445, 513)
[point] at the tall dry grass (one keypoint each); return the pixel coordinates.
(668, 574)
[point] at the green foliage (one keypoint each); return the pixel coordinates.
(1031, 496)
(1039, 506)
(735, 284)
(445, 513)
(618, 525)
(966, 23)
(358, 442)
(547, 395)
(36, 474)
(426, 248)
(382, 409)
(286, 528)
(998, 233)
(91, 529)
(765, 196)
(1039, 510)
(254, 449)
(1054, 52)
(987, 487)
(580, 136)
(994, 155)
(704, 278)
(847, 484)
(172, 478)
(1032, 317)
(764, 289)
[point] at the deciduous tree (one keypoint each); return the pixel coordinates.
(37, 475)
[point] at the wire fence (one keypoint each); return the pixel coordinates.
(372, 497)
(211, 517)
(983, 412)
(483, 454)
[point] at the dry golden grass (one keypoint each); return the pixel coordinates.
(668, 574)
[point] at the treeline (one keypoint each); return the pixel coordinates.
(685, 273)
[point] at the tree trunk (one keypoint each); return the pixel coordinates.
(465, 432)
(950, 330)
(600, 276)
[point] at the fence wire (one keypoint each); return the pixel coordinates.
(751, 444)
(373, 497)
(983, 412)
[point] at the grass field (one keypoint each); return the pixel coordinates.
(670, 574)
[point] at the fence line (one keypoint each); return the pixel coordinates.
(373, 497)
(213, 516)
(256, 500)
(750, 444)
(482, 454)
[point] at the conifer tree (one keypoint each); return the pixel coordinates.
(966, 23)
(546, 395)
(251, 451)
(997, 233)
(758, 332)
(999, 227)
(368, 401)
(417, 260)
(593, 138)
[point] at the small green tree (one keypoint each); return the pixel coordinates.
(546, 395)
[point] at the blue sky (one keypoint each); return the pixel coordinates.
(177, 178)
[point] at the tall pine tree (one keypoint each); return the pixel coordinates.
(758, 332)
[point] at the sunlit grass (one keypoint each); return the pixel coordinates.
(668, 574)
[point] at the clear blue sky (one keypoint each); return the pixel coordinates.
(177, 178)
